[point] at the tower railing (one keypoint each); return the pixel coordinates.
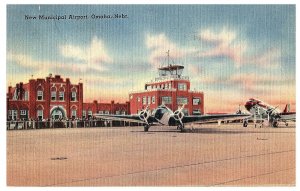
(171, 77)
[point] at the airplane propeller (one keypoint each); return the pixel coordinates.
(270, 112)
(145, 114)
(270, 115)
(178, 114)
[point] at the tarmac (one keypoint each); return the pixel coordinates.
(209, 155)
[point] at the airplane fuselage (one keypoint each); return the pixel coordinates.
(164, 116)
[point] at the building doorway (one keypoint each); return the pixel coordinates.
(58, 113)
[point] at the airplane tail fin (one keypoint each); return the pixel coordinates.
(287, 108)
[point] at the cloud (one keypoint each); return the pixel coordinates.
(268, 59)
(22, 60)
(224, 37)
(82, 59)
(226, 43)
(223, 44)
(158, 45)
(258, 83)
(195, 70)
(93, 56)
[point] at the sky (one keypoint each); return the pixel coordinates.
(230, 52)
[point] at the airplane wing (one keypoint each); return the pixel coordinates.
(213, 118)
(290, 116)
(128, 118)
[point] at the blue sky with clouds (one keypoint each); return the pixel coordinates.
(230, 52)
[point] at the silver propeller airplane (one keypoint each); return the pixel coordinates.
(266, 114)
(165, 116)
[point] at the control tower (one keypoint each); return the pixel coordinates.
(169, 88)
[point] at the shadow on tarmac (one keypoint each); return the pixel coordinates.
(210, 131)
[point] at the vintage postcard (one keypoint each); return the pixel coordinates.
(151, 95)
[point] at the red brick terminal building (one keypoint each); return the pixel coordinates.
(54, 97)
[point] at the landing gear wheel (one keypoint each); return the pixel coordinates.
(146, 128)
(245, 124)
(181, 127)
(286, 124)
(275, 124)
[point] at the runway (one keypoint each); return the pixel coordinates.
(211, 155)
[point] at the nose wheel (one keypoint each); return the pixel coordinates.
(146, 128)
(245, 123)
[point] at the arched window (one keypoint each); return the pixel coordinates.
(40, 112)
(53, 93)
(61, 94)
(73, 112)
(40, 93)
(73, 94)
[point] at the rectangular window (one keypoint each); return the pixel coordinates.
(84, 113)
(39, 95)
(117, 112)
(185, 112)
(166, 100)
(181, 86)
(196, 101)
(40, 114)
(61, 96)
(149, 100)
(144, 100)
(53, 95)
(138, 99)
(106, 112)
(196, 112)
(23, 112)
(26, 96)
(90, 113)
(73, 96)
(123, 112)
(153, 99)
(166, 86)
(100, 112)
(182, 100)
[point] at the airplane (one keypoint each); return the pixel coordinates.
(165, 116)
(267, 114)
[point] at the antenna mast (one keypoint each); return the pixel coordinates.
(168, 53)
